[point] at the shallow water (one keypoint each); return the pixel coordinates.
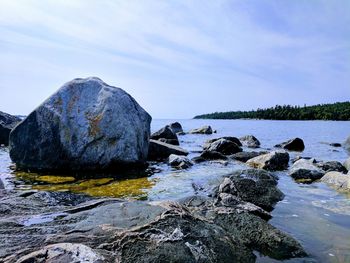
(315, 214)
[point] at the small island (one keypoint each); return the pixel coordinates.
(339, 111)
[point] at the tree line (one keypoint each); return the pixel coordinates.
(339, 111)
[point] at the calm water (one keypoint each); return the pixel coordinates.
(316, 215)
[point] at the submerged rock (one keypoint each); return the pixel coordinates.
(337, 179)
(180, 162)
(85, 125)
(166, 135)
(7, 123)
(295, 144)
(304, 169)
(176, 127)
(250, 141)
(161, 151)
(224, 146)
(202, 130)
(273, 161)
(245, 156)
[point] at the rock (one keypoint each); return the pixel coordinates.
(166, 135)
(198, 159)
(161, 151)
(1, 185)
(229, 138)
(306, 170)
(63, 252)
(254, 186)
(335, 144)
(273, 161)
(337, 179)
(180, 162)
(176, 127)
(250, 141)
(346, 164)
(212, 155)
(295, 144)
(181, 133)
(332, 166)
(85, 125)
(347, 144)
(7, 123)
(202, 130)
(245, 156)
(224, 146)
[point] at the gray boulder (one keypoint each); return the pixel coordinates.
(7, 123)
(212, 155)
(332, 166)
(180, 162)
(337, 179)
(250, 141)
(202, 130)
(224, 146)
(176, 127)
(166, 135)
(229, 138)
(85, 125)
(245, 156)
(295, 144)
(346, 164)
(273, 161)
(159, 151)
(307, 170)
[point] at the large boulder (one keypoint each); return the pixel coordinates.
(166, 135)
(295, 144)
(85, 125)
(179, 162)
(337, 179)
(305, 169)
(273, 161)
(224, 146)
(159, 151)
(176, 127)
(7, 123)
(202, 130)
(250, 141)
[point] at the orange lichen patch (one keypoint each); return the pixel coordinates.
(94, 122)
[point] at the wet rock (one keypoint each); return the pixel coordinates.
(180, 162)
(245, 156)
(273, 161)
(250, 141)
(198, 159)
(224, 146)
(212, 155)
(306, 170)
(176, 127)
(229, 138)
(202, 130)
(1, 185)
(332, 166)
(161, 151)
(337, 179)
(346, 164)
(85, 125)
(295, 144)
(7, 123)
(335, 144)
(166, 135)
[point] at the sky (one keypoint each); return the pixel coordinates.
(178, 58)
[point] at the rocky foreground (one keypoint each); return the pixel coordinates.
(226, 227)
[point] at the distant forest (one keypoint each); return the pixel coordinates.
(339, 111)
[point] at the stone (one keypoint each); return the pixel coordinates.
(1, 185)
(306, 170)
(212, 155)
(159, 151)
(295, 144)
(166, 135)
(229, 138)
(273, 161)
(85, 125)
(346, 164)
(198, 159)
(180, 162)
(245, 156)
(335, 144)
(250, 141)
(337, 179)
(347, 144)
(224, 146)
(332, 166)
(7, 123)
(176, 127)
(202, 130)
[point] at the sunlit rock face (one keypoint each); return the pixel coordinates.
(85, 125)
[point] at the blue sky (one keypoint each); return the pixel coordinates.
(178, 58)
